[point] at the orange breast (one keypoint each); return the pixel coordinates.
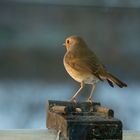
(79, 76)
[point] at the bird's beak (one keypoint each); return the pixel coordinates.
(64, 44)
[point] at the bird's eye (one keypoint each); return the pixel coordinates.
(68, 41)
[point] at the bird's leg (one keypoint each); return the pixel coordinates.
(75, 95)
(91, 93)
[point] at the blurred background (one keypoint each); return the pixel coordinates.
(31, 56)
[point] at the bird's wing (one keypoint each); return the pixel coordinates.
(94, 65)
(89, 64)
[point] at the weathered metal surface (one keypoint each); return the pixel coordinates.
(91, 121)
(57, 122)
(89, 127)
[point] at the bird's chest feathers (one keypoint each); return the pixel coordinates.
(72, 68)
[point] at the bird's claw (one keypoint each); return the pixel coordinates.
(73, 100)
(89, 100)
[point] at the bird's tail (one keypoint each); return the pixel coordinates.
(113, 80)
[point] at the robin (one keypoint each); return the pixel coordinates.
(84, 66)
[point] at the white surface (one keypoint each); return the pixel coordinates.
(28, 134)
(131, 135)
(44, 134)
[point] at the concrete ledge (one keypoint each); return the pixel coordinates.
(131, 135)
(44, 134)
(28, 134)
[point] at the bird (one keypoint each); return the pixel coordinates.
(82, 64)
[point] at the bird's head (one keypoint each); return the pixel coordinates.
(73, 42)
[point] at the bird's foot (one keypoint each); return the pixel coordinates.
(89, 100)
(73, 100)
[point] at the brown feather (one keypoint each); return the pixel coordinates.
(112, 79)
(89, 63)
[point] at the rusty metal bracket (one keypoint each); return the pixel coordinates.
(83, 121)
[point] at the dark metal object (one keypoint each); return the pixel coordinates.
(83, 121)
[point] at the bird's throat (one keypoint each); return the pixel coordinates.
(67, 47)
